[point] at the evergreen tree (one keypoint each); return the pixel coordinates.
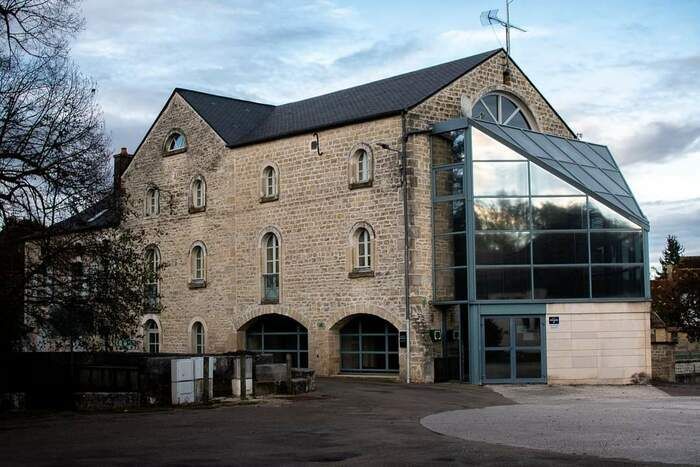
(671, 256)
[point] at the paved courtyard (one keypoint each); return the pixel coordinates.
(347, 421)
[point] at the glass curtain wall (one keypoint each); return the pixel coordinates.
(535, 237)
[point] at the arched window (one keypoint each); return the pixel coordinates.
(360, 168)
(271, 268)
(152, 337)
(175, 142)
(198, 194)
(198, 265)
(369, 343)
(198, 338)
(152, 270)
(364, 249)
(270, 186)
(279, 335)
(501, 109)
(152, 201)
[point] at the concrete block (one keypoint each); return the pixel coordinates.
(183, 392)
(181, 370)
(236, 387)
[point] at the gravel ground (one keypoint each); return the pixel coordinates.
(639, 423)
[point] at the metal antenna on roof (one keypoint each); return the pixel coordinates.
(489, 18)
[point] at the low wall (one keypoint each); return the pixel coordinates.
(663, 362)
(598, 343)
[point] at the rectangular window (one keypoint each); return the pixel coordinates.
(503, 283)
(617, 281)
(502, 248)
(449, 181)
(450, 250)
(617, 247)
(555, 282)
(501, 214)
(559, 213)
(500, 179)
(450, 284)
(449, 216)
(560, 248)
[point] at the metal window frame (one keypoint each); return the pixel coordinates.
(300, 331)
(360, 352)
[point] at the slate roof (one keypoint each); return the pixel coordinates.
(587, 166)
(241, 122)
(100, 215)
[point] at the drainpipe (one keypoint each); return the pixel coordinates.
(407, 294)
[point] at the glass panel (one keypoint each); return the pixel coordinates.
(559, 213)
(449, 181)
(507, 108)
(349, 361)
(561, 282)
(451, 284)
(280, 342)
(393, 361)
(559, 248)
(448, 148)
(450, 250)
(373, 343)
(497, 364)
(479, 111)
(501, 284)
(519, 121)
(485, 148)
(527, 332)
(271, 287)
(544, 183)
(617, 247)
(528, 364)
(602, 217)
(501, 214)
(617, 281)
(502, 248)
(374, 361)
(491, 102)
(500, 179)
(254, 342)
(372, 324)
(304, 359)
(393, 340)
(497, 332)
(448, 216)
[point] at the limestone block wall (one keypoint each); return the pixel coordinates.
(598, 343)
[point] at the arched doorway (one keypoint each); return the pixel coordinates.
(279, 335)
(369, 344)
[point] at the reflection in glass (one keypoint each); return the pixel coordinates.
(602, 217)
(527, 332)
(449, 181)
(559, 248)
(503, 283)
(617, 247)
(448, 216)
(543, 182)
(500, 179)
(617, 281)
(497, 364)
(450, 250)
(485, 148)
(528, 364)
(502, 248)
(448, 148)
(569, 282)
(501, 214)
(559, 213)
(496, 332)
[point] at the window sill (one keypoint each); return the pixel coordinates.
(194, 210)
(176, 151)
(268, 199)
(357, 185)
(357, 273)
(197, 284)
(266, 301)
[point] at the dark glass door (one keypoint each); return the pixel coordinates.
(513, 349)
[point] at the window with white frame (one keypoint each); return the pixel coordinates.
(152, 337)
(270, 189)
(363, 255)
(152, 201)
(198, 193)
(198, 266)
(271, 268)
(360, 168)
(198, 338)
(175, 142)
(152, 268)
(498, 108)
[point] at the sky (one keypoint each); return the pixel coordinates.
(622, 73)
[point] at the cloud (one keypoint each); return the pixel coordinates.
(659, 141)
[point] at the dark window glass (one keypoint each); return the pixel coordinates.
(543, 182)
(617, 247)
(497, 332)
(450, 250)
(448, 148)
(561, 282)
(559, 213)
(492, 103)
(502, 248)
(449, 181)
(501, 284)
(374, 361)
(369, 343)
(374, 343)
(559, 248)
(451, 284)
(348, 342)
(479, 111)
(500, 179)
(501, 214)
(448, 216)
(254, 343)
(602, 217)
(617, 281)
(497, 364)
(373, 325)
(279, 335)
(527, 332)
(281, 342)
(350, 361)
(519, 121)
(528, 364)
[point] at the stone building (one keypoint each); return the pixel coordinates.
(365, 231)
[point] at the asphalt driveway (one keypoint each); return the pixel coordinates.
(346, 421)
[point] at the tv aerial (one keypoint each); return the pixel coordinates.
(489, 18)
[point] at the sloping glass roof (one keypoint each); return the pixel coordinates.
(589, 167)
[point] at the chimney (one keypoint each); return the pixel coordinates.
(121, 162)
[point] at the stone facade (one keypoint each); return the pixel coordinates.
(314, 216)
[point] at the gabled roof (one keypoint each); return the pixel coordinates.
(103, 214)
(241, 122)
(589, 167)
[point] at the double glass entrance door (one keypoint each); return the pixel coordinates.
(513, 349)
